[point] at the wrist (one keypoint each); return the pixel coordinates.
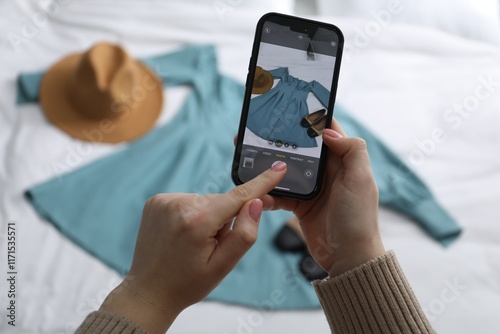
(355, 257)
(137, 305)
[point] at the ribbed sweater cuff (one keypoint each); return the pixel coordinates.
(106, 322)
(372, 298)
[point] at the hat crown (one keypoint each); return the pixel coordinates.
(262, 82)
(103, 81)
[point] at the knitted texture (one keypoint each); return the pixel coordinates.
(372, 298)
(110, 323)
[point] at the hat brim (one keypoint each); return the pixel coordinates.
(137, 119)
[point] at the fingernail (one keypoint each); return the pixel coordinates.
(331, 133)
(256, 209)
(279, 167)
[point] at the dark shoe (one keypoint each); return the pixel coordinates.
(311, 269)
(287, 240)
(312, 118)
(317, 128)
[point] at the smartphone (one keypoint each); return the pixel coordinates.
(289, 99)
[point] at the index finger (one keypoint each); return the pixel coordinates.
(226, 206)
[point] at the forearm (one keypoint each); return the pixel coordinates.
(372, 298)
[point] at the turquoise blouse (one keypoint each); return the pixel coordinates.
(99, 206)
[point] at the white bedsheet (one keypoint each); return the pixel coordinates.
(400, 86)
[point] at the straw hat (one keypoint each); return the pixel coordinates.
(101, 95)
(262, 82)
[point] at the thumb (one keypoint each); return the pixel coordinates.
(351, 151)
(238, 240)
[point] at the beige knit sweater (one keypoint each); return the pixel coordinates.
(372, 298)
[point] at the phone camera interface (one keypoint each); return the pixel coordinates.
(289, 103)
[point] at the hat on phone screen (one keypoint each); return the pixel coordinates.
(262, 82)
(101, 95)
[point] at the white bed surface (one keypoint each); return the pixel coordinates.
(400, 86)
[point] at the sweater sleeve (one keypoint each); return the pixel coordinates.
(108, 323)
(372, 298)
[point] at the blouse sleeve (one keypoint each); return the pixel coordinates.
(321, 93)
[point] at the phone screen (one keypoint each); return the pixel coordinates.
(290, 102)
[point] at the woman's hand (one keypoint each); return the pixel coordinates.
(340, 224)
(186, 245)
